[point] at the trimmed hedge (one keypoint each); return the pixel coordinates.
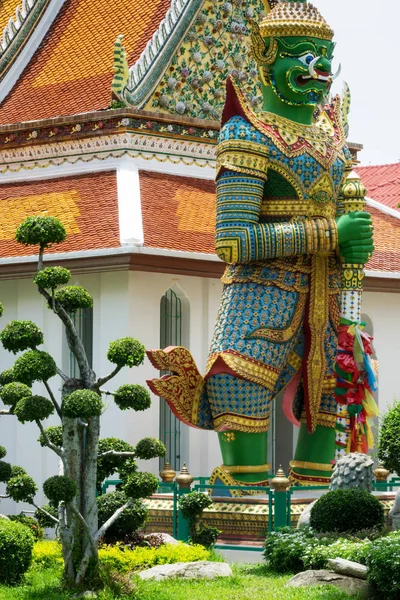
(16, 545)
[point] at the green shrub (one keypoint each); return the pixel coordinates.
(317, 557)
(54, 435)
(284, 549)
(346, 510)
(41, 230)
(29, 522)
(59, 488)
(21, 335)
(16, 544)
(389, 439)
(16, 471)
(11, 393)
(34, 365)
(47, 554)
(132, 396)
(43, 519)
(51, 277)
(123, 560)
(21, 488)
(141, 485)
(107, 465)
(383, 564)
(3, 452)
(150, 448)
(5, 471)
(126, 352)
(33, 408)
(73, 297)
(7, 376)
(83, 404)
(131, 519)
(205, 535)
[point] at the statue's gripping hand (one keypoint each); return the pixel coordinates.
(355, 237)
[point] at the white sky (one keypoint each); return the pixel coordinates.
(367, 37)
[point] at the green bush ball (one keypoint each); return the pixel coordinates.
(140, 485)
(7, 376)
(82, 404)
(131, 519)
(51, 277)
(21, 488)
(132, 396)
(34, 365)
(73, 298)
(389, 439)
(193, 504)
(17, 470)
(16, 545)
(54, 435)
(346, 511)
(43, 519)
(29, 522)
(41, 230)
(150, 448)
(12, 393)
(107, 465)
(21, 335)
(60, 489)
(33, 408)
(5, 471)
(3, 452)
(126, 352)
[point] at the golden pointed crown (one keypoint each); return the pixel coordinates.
(294, 19)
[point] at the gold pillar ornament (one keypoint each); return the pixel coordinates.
(280, 483)
(184, 479)
(167, 473)
(381, 474)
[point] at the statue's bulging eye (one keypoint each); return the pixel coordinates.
(306, 58)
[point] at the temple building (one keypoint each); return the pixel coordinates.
(109, 118)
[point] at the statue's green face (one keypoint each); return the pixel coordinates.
(302, 71)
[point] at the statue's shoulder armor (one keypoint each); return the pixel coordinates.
(242, 148)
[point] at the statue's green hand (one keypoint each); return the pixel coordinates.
(355, 233)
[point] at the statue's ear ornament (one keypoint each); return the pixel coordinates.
(264, 53)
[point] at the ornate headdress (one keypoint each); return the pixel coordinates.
(294, 19)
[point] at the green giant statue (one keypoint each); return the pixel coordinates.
(283, 234)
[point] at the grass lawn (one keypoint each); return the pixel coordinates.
(250, 582)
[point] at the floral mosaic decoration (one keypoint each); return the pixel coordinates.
(217, 45)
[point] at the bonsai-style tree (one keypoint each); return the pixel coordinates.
(85, 460)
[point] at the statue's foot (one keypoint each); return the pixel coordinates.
(221, 476)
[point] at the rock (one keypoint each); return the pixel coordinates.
(351, 585)
(394, 513)
(4, 517)
(347, 567)
(87, 594)
(191, 570)
(167, 539)
(304, 519)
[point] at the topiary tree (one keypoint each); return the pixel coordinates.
(389, 439)
(85, 459)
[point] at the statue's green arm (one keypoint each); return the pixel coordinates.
(241, 238)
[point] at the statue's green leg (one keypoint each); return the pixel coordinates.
(314, 454)
(247, 452)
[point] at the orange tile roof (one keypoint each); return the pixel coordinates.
(382, 183)
(86, 204)
(7, 10)
(178, 212)
(72, 70)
